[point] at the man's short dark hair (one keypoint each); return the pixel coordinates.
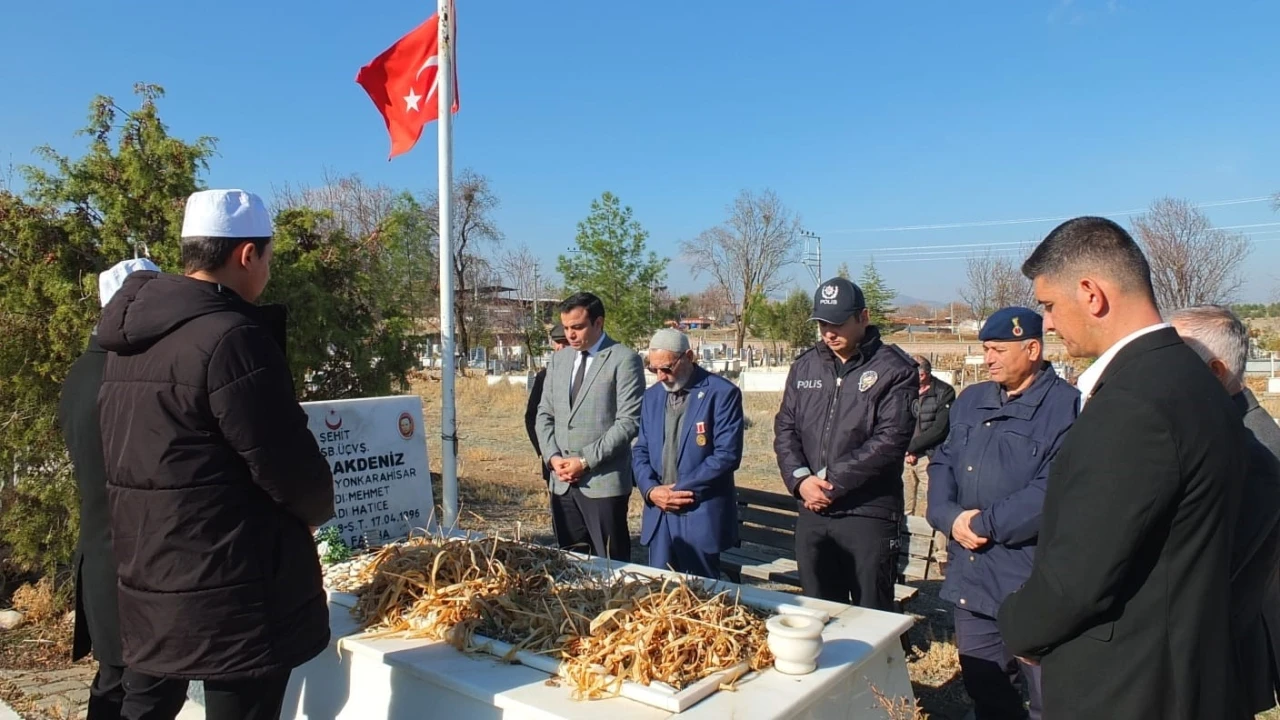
(924, 363)
(595, 308)
(207, 254)
(1093, 243)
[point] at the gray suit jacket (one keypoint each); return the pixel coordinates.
(1257, 419)
(602, 426)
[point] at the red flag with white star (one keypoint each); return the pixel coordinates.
(403, 81)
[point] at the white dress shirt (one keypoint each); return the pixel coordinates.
(578, 359)
(1089, 378)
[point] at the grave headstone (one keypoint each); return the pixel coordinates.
(377, 450)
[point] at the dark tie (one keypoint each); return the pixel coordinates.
(577, 379)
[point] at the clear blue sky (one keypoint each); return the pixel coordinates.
(860, 115)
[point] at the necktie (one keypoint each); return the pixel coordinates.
(577, 379)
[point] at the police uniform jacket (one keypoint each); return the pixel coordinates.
(996, 459)
(854, 419)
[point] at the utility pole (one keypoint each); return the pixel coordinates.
(536, 317)
(812, 256)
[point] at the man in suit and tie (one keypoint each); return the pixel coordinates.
(690, 445)
(590, 413)
(1127, 605)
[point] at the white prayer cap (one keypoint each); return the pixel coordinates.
(109, 281)
(226, 214)
(670, 340)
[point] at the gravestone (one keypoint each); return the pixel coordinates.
(377, 450)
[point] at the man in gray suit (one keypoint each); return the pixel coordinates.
(588, 417)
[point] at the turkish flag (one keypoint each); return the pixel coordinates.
(403, 81)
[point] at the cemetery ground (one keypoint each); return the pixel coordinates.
(500, 492)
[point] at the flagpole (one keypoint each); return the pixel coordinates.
(448, 347)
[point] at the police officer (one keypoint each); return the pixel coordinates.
(986, 490)
(841, 436)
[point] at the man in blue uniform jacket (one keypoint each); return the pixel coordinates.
(986, 490)
(690, 444)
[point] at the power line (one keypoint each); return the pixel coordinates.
(1025, 221)
(948, 256)
(946, 246)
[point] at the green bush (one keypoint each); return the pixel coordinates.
(350, 297)
(39, 522)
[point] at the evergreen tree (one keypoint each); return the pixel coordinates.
(878, 294)
(612, 262)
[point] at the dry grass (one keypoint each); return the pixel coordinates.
(37, 602)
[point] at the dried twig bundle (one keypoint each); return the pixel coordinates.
(664, 630)
(605, 630)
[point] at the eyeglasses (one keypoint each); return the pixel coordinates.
(668, 369)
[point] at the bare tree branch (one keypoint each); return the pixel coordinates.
(978, 293)
(474, 231)
(996, 281)
(1192, 262)
(744, 256)
(358, 209)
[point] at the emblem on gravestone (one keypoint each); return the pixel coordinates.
(333, 420)
(406, 425)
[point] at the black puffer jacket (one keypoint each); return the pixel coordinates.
(932, 411)
(213, 479)
(856, 425)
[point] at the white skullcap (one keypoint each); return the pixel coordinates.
(226, 214)
(109, 281)
(670, 340)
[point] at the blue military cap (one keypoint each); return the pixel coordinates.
(1012, 323)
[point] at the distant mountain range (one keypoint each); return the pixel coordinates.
(902, 301)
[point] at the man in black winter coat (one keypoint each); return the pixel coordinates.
(932, 413)
(96, 629)
(214, 480)
(841, 436)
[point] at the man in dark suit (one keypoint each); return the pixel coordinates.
(97, 628)
(1219, 337)
(589, 415)
(558, 343)
(1127, 604)
(690, 444)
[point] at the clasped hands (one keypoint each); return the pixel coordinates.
(813, 493)
(963, 534)
(569, 470)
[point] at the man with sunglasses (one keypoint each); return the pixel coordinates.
(841, 437)
(690, 444)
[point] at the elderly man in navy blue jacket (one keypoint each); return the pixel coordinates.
(986, 491)
(690, 444)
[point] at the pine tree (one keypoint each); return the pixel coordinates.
(878, 294)
(613, 263)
